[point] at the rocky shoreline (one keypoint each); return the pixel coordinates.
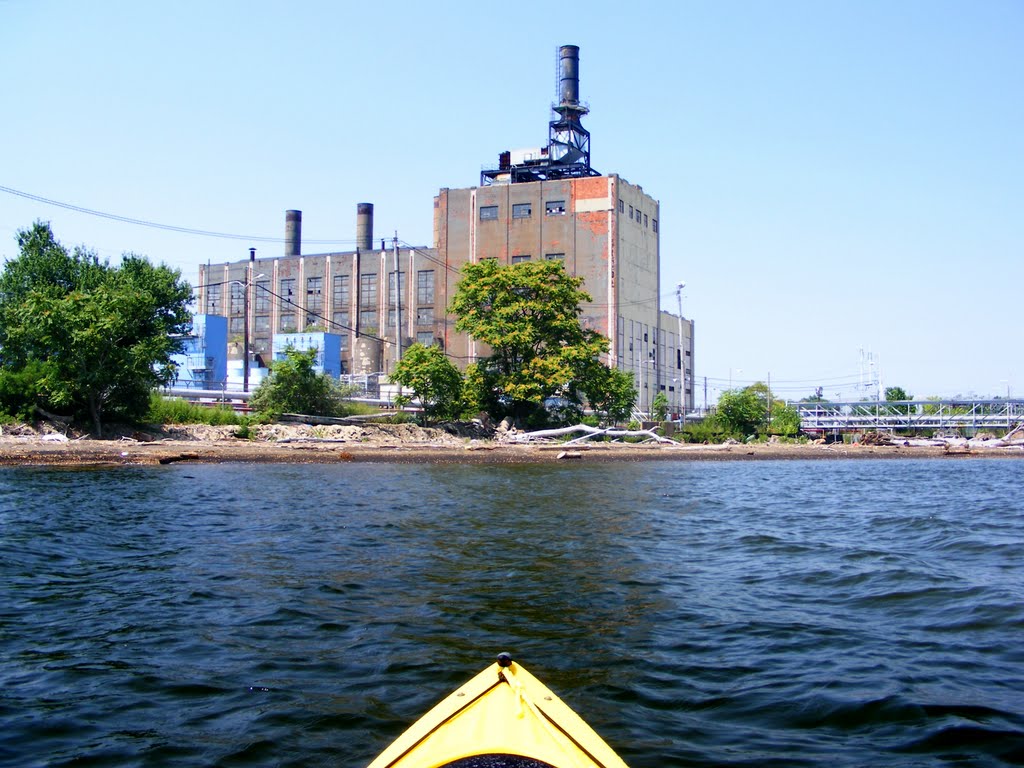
(407, 443)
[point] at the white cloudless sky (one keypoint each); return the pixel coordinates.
(835, 178)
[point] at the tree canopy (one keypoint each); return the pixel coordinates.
(529, 315)
(754, 410)
(433, 379)
(295, 386)
(95, 339)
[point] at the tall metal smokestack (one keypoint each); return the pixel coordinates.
(569, 75)
(292, 233)
(568, 150)
(364, 226)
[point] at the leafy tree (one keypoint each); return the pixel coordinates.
(609, 390)
(785, 419)
(659, 407)
(99, 338)
(19, 391)
(294, 386)
(528, 313)
(434, 380)
(898, 393)
(745, 412)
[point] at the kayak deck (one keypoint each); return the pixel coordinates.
(502, 718)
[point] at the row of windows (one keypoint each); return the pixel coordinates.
(424, 316)
(636, 215)
(523, 210)
(314, 301)
(519, 258)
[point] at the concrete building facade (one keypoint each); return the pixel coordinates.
(603, 229)
(348, 293)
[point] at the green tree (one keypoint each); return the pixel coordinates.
(659, 407)
(294, 386)
(745, 412)
(609, 390)
(895, 394)
(433, 379)
(785, 420)
(528, 314)
(99, 338)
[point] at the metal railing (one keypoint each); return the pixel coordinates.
(942, 416)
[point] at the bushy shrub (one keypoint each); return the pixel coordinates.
(708, 430)
(294, 386)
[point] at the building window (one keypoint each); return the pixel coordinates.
(520, 258)
(426, 338)
(342, 290)
(368, 320)
(236, 326)
(425, 286)
(262, 296)
(631, 213)
(554, 256)
(262, 324)
(645, 221)
(488, 212)
(344, 343)
(368, 290)
(314, 294)
(622, 205)
(425, 316)
(237, 299)
(391, 286)
(555, 208)
(522, 210)
(342, 319)
(654, 224)
(213, 300)
(287, 324)
(287, 289)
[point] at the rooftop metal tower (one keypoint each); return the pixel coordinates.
(567, 154)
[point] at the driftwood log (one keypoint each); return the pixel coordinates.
(589, 433)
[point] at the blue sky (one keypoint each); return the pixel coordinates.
(835, 178)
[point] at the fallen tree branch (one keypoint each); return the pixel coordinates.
(591, 432)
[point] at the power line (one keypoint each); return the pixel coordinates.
(156, 225)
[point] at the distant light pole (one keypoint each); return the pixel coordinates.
(682, 357)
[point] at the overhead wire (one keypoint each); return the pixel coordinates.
(157, 225)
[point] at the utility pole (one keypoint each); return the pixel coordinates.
(245, 326)
(682, 356)
(398, 301)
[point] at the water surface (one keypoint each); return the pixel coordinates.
(750, 613)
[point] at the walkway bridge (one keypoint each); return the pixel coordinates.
(963, 417)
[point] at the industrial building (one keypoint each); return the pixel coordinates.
(541, 203)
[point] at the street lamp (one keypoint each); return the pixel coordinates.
(682, 357)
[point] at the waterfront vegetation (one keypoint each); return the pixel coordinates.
(543, 364)
(82, 338)
(84, 342)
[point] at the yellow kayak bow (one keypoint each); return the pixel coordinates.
(502, 714)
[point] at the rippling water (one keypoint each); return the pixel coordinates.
(763, 613)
